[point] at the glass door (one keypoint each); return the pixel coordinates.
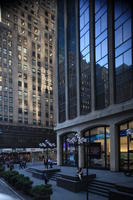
(130, 140)
(126, 147)
(99, 147)
(70, 151)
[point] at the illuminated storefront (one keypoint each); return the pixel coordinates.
(99, 147)
(126, 146)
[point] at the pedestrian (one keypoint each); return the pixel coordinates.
(11, 165)
(45, 176)
(45, 163)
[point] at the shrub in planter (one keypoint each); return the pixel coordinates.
(41, 192)
(19, 181)
(22, 183)
(14, 179)
(9, 174)
(26, 185)
(2, 169)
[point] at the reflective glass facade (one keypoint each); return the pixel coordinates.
(71, 59)
(104, 56)
(61, 61)
(123, 51)
(101, 54)
(85, 72)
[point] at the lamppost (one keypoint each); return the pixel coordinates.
(78, 140)
(47, 145)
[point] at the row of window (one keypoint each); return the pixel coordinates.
(123, 55)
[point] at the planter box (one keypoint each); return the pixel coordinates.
(73, 183)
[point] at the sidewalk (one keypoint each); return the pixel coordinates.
(5, 189)
(63, 194)
(103, 175)
(58, 192)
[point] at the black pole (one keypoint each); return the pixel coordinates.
(76, 154)
(128, 158)
(47, 156)
(87, 194)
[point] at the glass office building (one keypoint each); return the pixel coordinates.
(95, 82)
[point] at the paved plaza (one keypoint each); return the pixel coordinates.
(63, 194)
(58, 192)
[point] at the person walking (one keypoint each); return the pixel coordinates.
(45, 163)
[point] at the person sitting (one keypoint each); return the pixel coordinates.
(51, 163)
(80, 173)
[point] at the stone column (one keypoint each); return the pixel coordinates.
(57, 61)
(59, 150)
(0, 13)
(66, 70)
(81, 155)
(114, 148)
(92, 53)
(111, 55)
(77, 57)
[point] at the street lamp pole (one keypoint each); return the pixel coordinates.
(46, 145)
(47, 156)
(87, 146)
(77, 140)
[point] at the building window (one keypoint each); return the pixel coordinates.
(101, 54)
(19, 83)
(71, 53)
(85, 78)
(123, 51)
(20, 110)
(25, 85)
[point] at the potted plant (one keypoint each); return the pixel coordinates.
(41, 192)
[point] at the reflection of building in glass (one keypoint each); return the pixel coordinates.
(85, 86)
(123, 51)
(101, 54)
(61, 63)
(27, 63)
(97, 82)
(102, 88)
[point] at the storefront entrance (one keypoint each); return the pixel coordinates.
(99, 147)
(126, 146)
(70, 151)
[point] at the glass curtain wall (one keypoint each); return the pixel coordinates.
(99, 147)
(126, 147)
(70, 151)
(85, 72)
(71, 54)
(61, 61)
(123, 51)
(101, 54)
